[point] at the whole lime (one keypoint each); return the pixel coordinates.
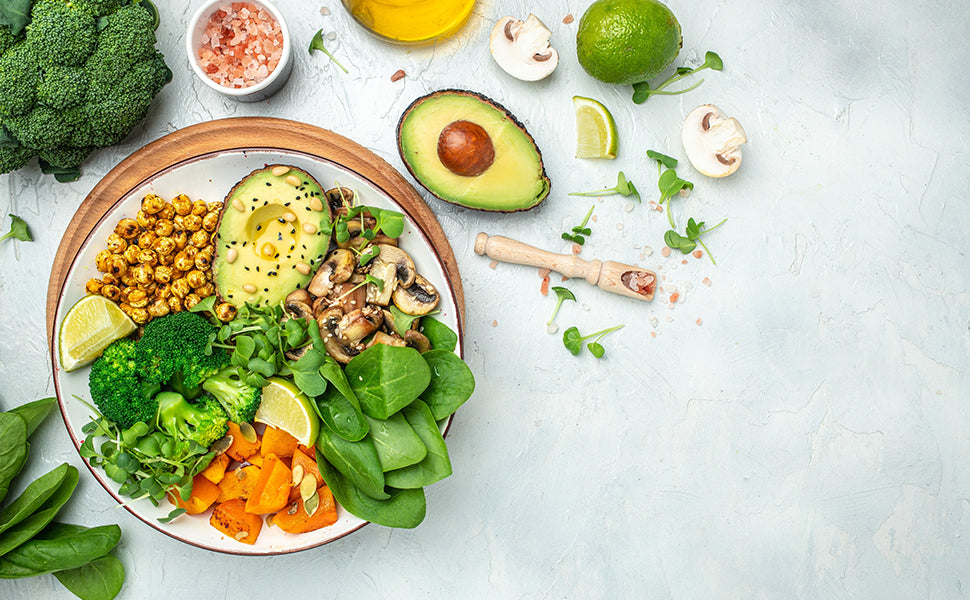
(627, 41)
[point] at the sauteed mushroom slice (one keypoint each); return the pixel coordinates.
(419, 298)
(417, 340)
(328, 321)
(338, 268)
(388, 340)
(401, 260)
(387, 273)
(358, 324)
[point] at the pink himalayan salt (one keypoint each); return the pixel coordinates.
(241, 45)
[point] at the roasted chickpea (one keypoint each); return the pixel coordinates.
(102, 260)
(147, 257)
(116, 244)
(200, 239)
(180, 238)
(181, 288)
(152, 204)
(109, 279)
(137, 298)
(149, 288)
(111, 292)
(93, 286)
(147, 238)
(179, 222)
(128, 279)
(166, 259)
(174, 304)
(164, 290)
(190, 300)
(182, 204)
(117, 266)
(163, 274)
(210, 222)
(131, 253)
(199, 207)
(195, 278)
(164, 246)
(203, 260)
(225, 312)
(192, 222)
(184, 261)
(204, 291)
(215, 207)
(123, 296)
(158, 308)
(140, 315)
(145, 220)
(125, 307)
(143, 273)
(167, 212)
(164, 228)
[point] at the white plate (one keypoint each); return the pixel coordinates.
(210, 177)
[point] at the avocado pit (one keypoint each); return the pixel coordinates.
(465, 149)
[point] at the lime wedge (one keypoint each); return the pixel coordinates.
(88, 328)
(595, 129)
(285, 407)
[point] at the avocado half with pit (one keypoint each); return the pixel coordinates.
(272, 236)
(469, 150)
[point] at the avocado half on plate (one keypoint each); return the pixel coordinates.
(469, 150)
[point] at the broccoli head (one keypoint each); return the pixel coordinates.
(238, 398)
(82, 75)
(119, 392)
(174, 350)
(204, 422)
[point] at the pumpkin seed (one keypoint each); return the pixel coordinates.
(308, 486)
(240, 474)
(297, 474)
(269, 520)
(241, 535)
(248, 433)
(311, 504)
(222, 445)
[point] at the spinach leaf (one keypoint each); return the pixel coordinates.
(396, 443)
(357, 461)
(33, 497)
(440, 335)
(60, 546)
(306, 372)
(13, 449)
(98, 580)
(436, 465)
(340, 415)
(402, 508)
(28, 528)
(385, 379)
(452, 383)
(334, 373)
(34, 413)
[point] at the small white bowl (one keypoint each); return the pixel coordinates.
(262, 90)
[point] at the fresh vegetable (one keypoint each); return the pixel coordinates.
(316, 43)
(623, 187)
(579, 232)
(573, 341)
(79, 77)
(562, 294)
(118, 387)
(522, 48)
(642, 90)
(30, 543)
(596, 135)
(203, 422)
(272, 489)
(670, 185)
(296, 519)
(687, 243)
(231, 518)
(176, 351)
(18, 230)
(713, 141)
(238, 398)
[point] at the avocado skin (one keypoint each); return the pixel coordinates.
(431, 186)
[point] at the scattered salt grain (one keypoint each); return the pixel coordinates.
(493, 264)
(707, 281)
(665, 252)
(494, 323)
(242, 45)
(628, 207)
(698, 321)
(567, 19)
(332, 36)
(619, 226)
(654, 321)
(697, 253)
(324, 11)
(647, 250)
(552, 328)
(398, 75)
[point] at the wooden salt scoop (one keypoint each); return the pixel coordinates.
(611, 276)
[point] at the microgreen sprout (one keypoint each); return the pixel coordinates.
(623, 188)
(562, 294)
(317, 44)
(580, 231)
(669, 184)
(662, 160)
(573, 341)
(642, 90)
(18, 230)
(687, 243)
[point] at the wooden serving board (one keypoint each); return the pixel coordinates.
(238, 134)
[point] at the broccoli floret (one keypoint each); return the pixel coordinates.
(240, 399)
(173, 351)
(203, 423)
(119, 392)
(81, 77)
(13, 158)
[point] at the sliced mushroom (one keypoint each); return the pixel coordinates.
(299, 296)
(328, 321)
(297, 309)
(404, 266)
(298, 353)
(338, 199)
(419, 298)
(417, 340)
(713, 141)
(522, 48)
(346, 297)
(387, 273)
(358, 324)
(337, 268)
(387, 339)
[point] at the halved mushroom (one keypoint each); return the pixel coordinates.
(339, 351)
(338, 198)
(358, 324)
(419, 298)
(417, 340)
(299, 296)
(522, 48)
(337, 268)
(346, 297)
(713, 141)
(387, 273)
(388, 340)
(404, 266)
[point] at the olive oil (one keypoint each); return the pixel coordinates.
(410, 21)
